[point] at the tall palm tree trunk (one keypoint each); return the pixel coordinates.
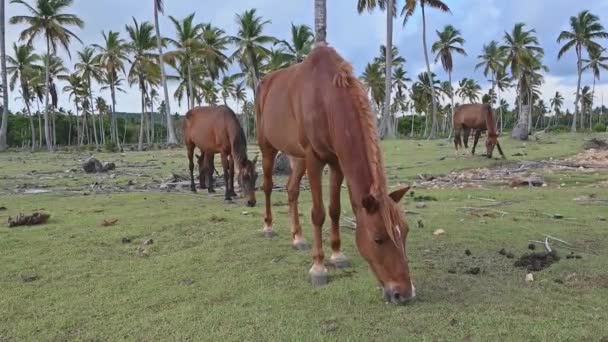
(412, 128)
(140, 144)
(387, 129)
(592, 100)
(29, 113)
(113, 122)
(102, 128)
(578, 86)
(4, 124)
(428, 70)
(452, 103)
(320, 21)
(47, 90)
(93, 114)
(171, 140)
(190, 91)
(39, 122)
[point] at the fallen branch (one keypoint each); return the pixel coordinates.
(28, 220)
(547, 247)
(556, 239)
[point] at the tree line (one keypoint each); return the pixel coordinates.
(199, 56)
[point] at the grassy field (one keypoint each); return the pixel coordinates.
(209, 275)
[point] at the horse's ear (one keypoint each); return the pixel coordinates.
(370, 203)
(255, 159)
(397, 195)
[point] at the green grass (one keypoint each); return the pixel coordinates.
(91, 286)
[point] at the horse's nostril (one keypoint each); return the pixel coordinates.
(397, 296)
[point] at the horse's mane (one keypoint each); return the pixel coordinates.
(490, 122)
(239, 141)
(344, 78)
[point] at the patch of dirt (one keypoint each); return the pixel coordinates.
(535, 262)
(597, 144)
(28, 220)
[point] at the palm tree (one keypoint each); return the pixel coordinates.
(595, 63)
(469, 90)
(4, 124)
(227, 88)
(240, 95)
(586, 101)
(408, 10)
(112, 56)
(520, 47)
(502, 82)
(214, 42)
(102, 107)
(492, 61)
(75, 90)
(557, 102)
(450, 40)
(425, 88)
(143, 64)
(585, 30)
(373, 80)
(48, 20)
(250, 42)
(55, 67)
(158, 8)
(386, 129)
(300, 45)
(23, 68)
(188, 42)
(89, 69)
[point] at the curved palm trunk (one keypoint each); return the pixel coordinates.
(387, 128)
(578, 87)
(113, 123)
(320, 21)
(592, 100)
(4, 124)
(428, 70)
(171, 140)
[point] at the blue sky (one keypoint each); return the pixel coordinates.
(357, 37)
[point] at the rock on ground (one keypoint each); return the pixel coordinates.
(93, 165)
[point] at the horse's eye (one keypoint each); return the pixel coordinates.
(379, 240)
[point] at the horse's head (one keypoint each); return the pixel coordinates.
(381, 238)
(247, 178)
(491, 142)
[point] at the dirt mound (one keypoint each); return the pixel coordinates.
(596, 144)
(591, 158)
(534, 262)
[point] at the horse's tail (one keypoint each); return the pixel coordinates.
(186, 125)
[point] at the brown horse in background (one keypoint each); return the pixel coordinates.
(217, 130)
(318, 113)
(478, 117)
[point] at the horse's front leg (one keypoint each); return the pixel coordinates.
(191, 166)
(477, 135)
(268, 156)
(335, 185)
(298, 168)
(318, 272)
(226, 167)
(208, 170)
(231, 177)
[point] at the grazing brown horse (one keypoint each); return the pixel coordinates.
(217, 130)
(478, 117)
(318, 113)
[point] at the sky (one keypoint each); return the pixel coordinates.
(356, 36)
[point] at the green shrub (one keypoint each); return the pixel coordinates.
(599, 127)
(111, 146)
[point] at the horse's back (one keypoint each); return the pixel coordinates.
(206, 127)
(472, 115)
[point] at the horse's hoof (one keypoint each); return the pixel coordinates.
(301, 245)
(319, 278)
(339, 261)
(269, 233)
(193, 190)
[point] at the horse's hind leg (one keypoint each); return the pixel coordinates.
(477, 135)
(190, 148)
(465, 137)
(335, 185)
(314, 169)
(298, 168)
(268, 155)
(208, 170)
(457, 140)
(201, 171)
(226, 167)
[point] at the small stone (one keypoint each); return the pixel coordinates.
(510, 255)
(28, 278)
(474, 270)
(531, 246)
(529, 278)
(439, 232)
(421, 205)
(187, 281)
(502, 251)
(148, 242)
(468, 252)
(125, 240)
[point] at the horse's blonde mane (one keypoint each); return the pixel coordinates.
(345, 78)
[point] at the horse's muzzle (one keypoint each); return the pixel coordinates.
(251, 204)
(396, 297)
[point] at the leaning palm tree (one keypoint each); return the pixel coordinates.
(89, 69)
(386, 129)
(450, 41)
(595, 63)
(112, 56)
(301, 42)
(4, 79)
(48, 19)
(521, 48)
(158, 8)
(408, 10)
(22, 67)
(585, 30)
(188, 42)
(251, 43)
(143, 64)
